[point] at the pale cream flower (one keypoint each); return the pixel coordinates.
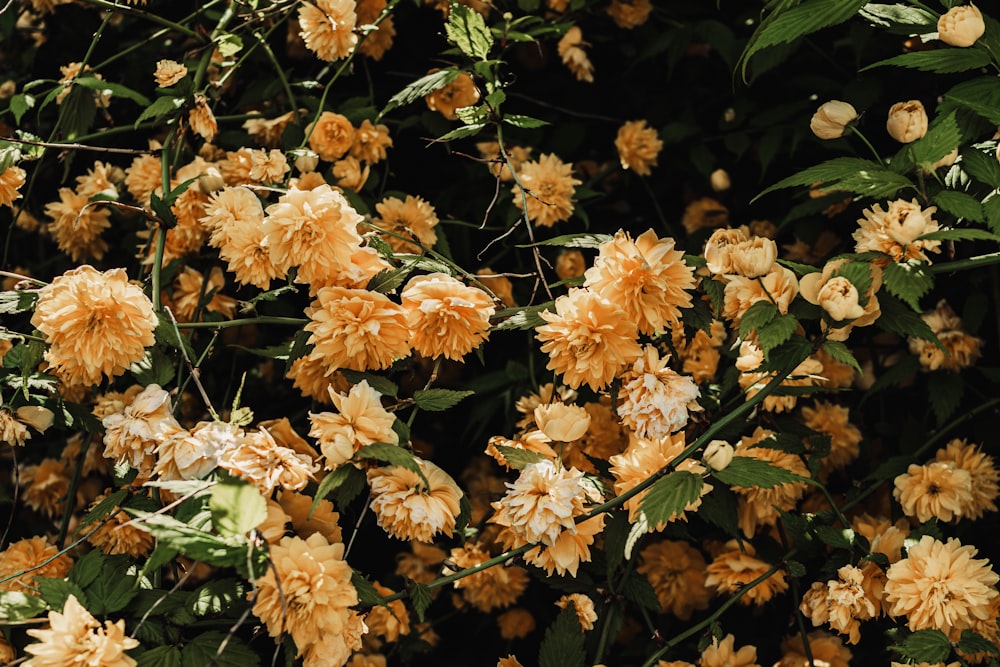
(193, 454)
(361, 421)
(11, 180)
(269, 166)
(489, 589)
(907, 121)
(754, 257)
(356, 329)
(645, 277)
(561, 421)
(676, 571)
(961, 26)
(332, 135)
(169, 72)
(12, 430)
(546, 188)
(96, 324)
(779, 286)
(736, 567)
(75, 637)
(143, 176)
(588, 339)
(336, 648)
(885, 537)
(832, 119)
(571, 51)
(569, 550)
(654, 400)
(718, 251)
(134, 434)
(267, 131)
(409, 218)
(842, 603)
(407, 508)
(328, 28)
(724, 654)
(201, 118)
(461, 92)
(982, 472)
(542, 503)
(445, 317)
(638, 146)
(583, 606)
(941, 586)
(260, 460)
(719, 180)
(718, 454)
(939, 490)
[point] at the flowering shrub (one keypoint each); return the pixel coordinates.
(562, 332)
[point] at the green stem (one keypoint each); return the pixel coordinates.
(291, 321)
(855, 131)
(967, 263)
(148, 16)
(74, 484)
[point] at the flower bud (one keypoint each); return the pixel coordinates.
(719, 249)
(211, 180)
(831, 119)
(305, 161)
(719, 180)
(751, 357)
(561, 421)
(718, 454)
(755, 257)
(36, 416)
(907, 121)
(839, 298)
(961, 26)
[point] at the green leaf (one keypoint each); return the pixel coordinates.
(521, 318)
(162, 106)
(908, 280)
(847, 174)
(161, 656)
(756, 316)
(746, 471)
(841, 353)
(638, 590)
(17, 606)
(616, 529)
(973, 642)
(367, 595)
(467, 30)
(380, 384)
(981, 166)
(942, 138)
(462, 132)
(960, 205)
(837, 538)
(925, 646)
(899, 319)
(56, 591)
(436, 400)
(421, 87)
(420, 598)
(332, 482)
(667, 498)
(981, 95)
(154, 368)
(393, 455)
(217, 597)
(116, 89)
(573, 241)
(719, 508)
(942, 61)
(473, 114)
(387, 280)
(776, 332)
(518, 458)
(113, 588)
(237, 508)
(17, 301)
(19, 105)
(563, 643)
(517, 120)
(945, 394)
(991, 208)
(204, 650)
(901, 16)
(110, 502)
(229, 44)
(195, 543)
(87, 568)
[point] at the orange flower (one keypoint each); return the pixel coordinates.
(143, 176)
(676, 571)
(235, 218)
(724, 654)
(939, 490)
(191, 296)
(546, 187)
(654, 399)
(704, 212)
(588, 339)
(410, 510)
(350, 174)
(23, 561)
(77, 225)
(982, 471)
(461, 92)
(96, 324)
(638, 145)
(855, 596)
(570, 549)
(193, 454)
(411, 218)
(570, 264)
(759, 506)
(11, 180)
(356, 329)
(940, 585)
(845, 437)
(46, 486)
(169, 72)
(824, 648)
(387, 623)
(778, 286)
(361, 421)
(516, 623)
(647, 277)
(12, 431)
(260, 460)
(961, 349)
(377, 42)
(134, 434)
(583, 606)
(571, 51)
(332, 135)
(371, 141)
(629, 14)
(306, 521)
(489, 589)
(328, 28)
(445, 317)
(895, 231)
(737, 566)
(308, 374)
(201, 118)
(76, 637)
(119, 535)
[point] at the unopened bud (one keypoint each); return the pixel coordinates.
(718, 454)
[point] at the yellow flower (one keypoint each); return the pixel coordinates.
(542, 503)
(982, 471)
(307, 592)
(571, 51)
(328, 28)
(134, 434)
(645, 277)
(907, 121)
(546, 187)
(260, 460)
(445, 317)
(856, 595)
(375, 43)
(489, 589)
(410, 510)
(411, 218)
(11, 180)
(269, 166)
(361, 421)
(676, 571)
(76, 637)
(387, 623)
(561, 421)
(588, 339)
(315, 230)
(737, 566)
(143, 176)
(119, 535)
(724, 654)
(461, 92)
(832, 119)
(629, 14)
(235, 218)
(638, 146)
(169, 72)
(27, 559)
(961, 26)
(96, 324)
(77, 225)
(654, 399)
(939, 490)
(940, 585)
(370, 141)
(356, 329)
(759, 506)
(201, 118)
(825, 649)
(332, 135)
(583, 606)
(516, 623)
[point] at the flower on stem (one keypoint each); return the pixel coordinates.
(328, 28)
(11, 180)
(571, 51)
(545, 191)
(409, 509)
(655, 399)
(445, 317)
(169, 72)
(907, 121)
(961, 26)
(939, 490)
(410, 218)
(76, 637)
(832, 119)
(583, 606)
(961, 349)
(25, 560)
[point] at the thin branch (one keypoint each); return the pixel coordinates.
(82, 147)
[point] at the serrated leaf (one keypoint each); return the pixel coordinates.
(837, 538)
(20, 104)
(161, 106)
(941, 61)
(87, 568)
(668, 497)
(367, 595)
(17, 606)
(195, 543)
(518, 458)
(945, 394)
(472, 114)
(18, 301)
(204, 650)
(746, 471)
(756, 316)
(517, 120)
(420, 598)
(719, 508)
(973, 642)
(462, 132)
(116, 89)
(776, 332)
(563, 643)
(154, 368)
(382, 385)
(960, 205)
(217, 597)
(161, 656)
(56, 591)
(236, 508)
(467, 30)
(332, 482)
(981, 95)
(908, 280)
(981, 166)
(436, 400)
(393, 455)
(110, 502)
(888, 16)
(638, 590)
(421, 87)
(387, 280)
(991, 208)
(847, 174)
(925, 646)
(898, 318)
(113, 588)
(616, 528)
(942, 137)
(573, 241)
(841, 353)
(521, 318)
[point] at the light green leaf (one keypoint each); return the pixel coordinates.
(472, 114)
(942, 61)
(960, 205)
(518, 120)
(746, 471)
(573, 241)
(667, 498)
(19, 105)
(17, 606)
(518, 458)
(563, 643)
(421, 87)
(462, 132)
(909, 281)
(237, 508)
(961, 234)
(387, 280)
(217, 597)
(521, 318)
(467, 30)
(902, 16)
(848, 174)
(925, 646)
(163, 106)
(229, 44)
(436, 400)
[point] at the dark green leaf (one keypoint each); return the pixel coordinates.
(518, 458)
(945, 394)
(834, 537)
(746, 471)
(113, 588)
(220, 596)
(161, 107)
(161, 656)
(56, 591)
(638, 590)
(847, 174)
(380, 384)
(421, 87)
(719, 508)
(204, 650)
(667, 498)
(420, 598)
(393, 455)
(981, 95)
(387, 280)
(991, 207)
(981, 166)
(756, 316)
(436, 400)
(467, 30)
(942, 138)
(973, 642)
(942, 61)
(841, 353)
(101, 509)
(960, 205)
(19, 105)
(462, 132)
(563, 643)
(925, 646)
(909, 281)
(87, 568)
(898, 318)
(116, 89)
(776, 332)
(154, 368)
